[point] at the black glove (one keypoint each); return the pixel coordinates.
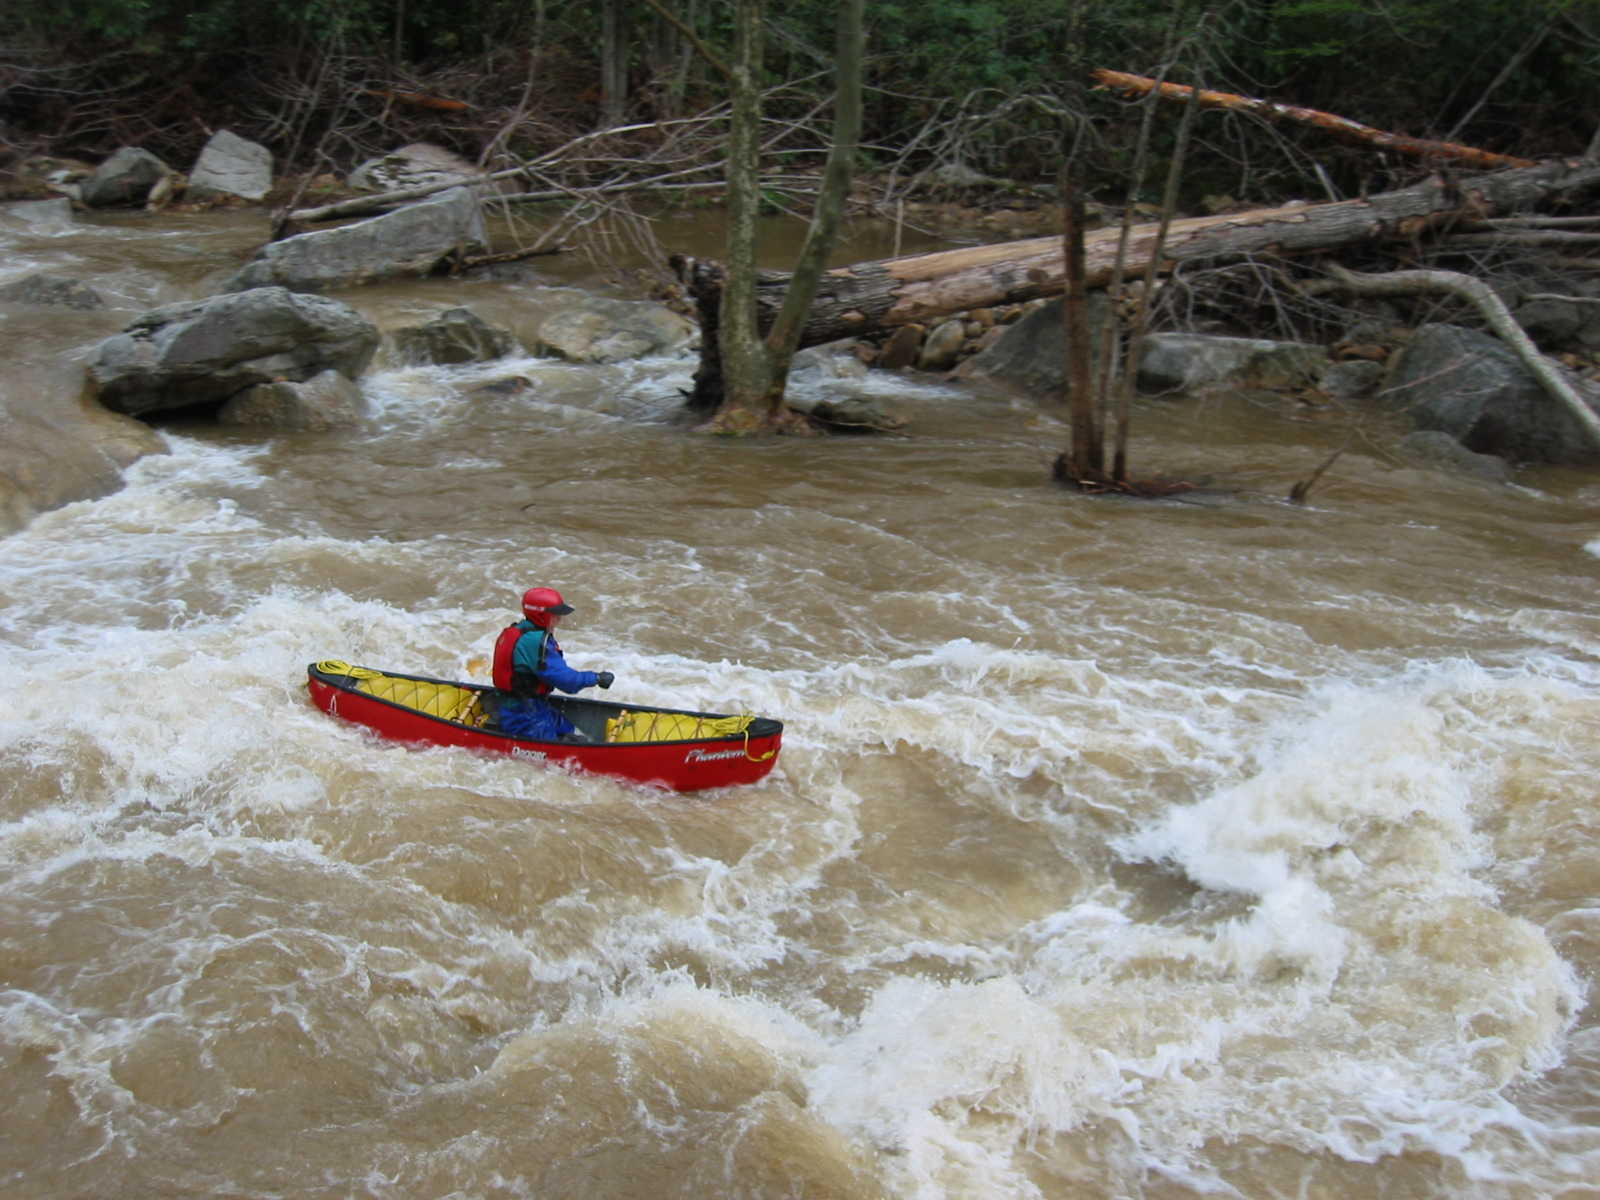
(605, 679)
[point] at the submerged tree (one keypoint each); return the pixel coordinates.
(1092, 386)
(754, 355)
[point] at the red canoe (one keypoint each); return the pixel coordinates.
(663, 747)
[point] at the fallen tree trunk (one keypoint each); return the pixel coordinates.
(870, 297)
(1138, 85)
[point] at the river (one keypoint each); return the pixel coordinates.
(1122, 849)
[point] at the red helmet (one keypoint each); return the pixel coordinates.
(541, 603)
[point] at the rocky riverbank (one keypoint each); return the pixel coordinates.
(252, 353)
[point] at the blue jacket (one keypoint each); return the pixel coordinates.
(537, 654)
(555, 671)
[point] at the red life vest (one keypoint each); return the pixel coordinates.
(505, 651)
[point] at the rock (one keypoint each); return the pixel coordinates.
(942, 347)
(230, 165)
(1430, 447)
(1186, 362)
(1351, 379)
(420, 164)
(124, 179)
(323, 402)
(854, 414)
(42, 290)
(1030, 355)
(166, 189)
(43, 214)
(596, 330)
(902, 348)
(1474, 388)
(457, 335)
(817, 365)
(414, 240)
(58, 450)
(49, 173)
(208, 351)
(516, 385)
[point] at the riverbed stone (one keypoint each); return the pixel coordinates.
(1188, 362)
(597, 330)
(43, 214)
(125, 179)
(411, 241)
(942, 346)
(326, 401)
(457, 335)
(1433, 448)
(61, 449)
(43, 290)
(230, 165)
(1030, 355)
(1474, 387)
(206, 352)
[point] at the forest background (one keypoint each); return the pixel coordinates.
(957, 90)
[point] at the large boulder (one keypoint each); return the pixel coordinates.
(61, 449)
(1031, 355)
(1431, 448)
(230, 165)
(1191, 362)
(124, 180)
(457, 335)
(206, 352)
(43, 290)
(1474, 388)
(410, 241)
(596, 330)
(39, 215)
(323, 402)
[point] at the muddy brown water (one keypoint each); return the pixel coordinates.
(1116, 849)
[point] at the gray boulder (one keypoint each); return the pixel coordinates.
(124, 180)
(1352, 379)
(206, 352)
(457, 335)
(1431, 448)
(410, 241)
(323, 402)
(230, 165)
(1031, 355)
(58, 450)
(42, 214)
(1474, 388)
(1189, 362)
(42, 290)
(595, 330)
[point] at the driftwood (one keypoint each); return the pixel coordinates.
(870, 297)
(1495, 314)
(1341, 126)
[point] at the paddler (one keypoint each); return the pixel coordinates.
(528, 666)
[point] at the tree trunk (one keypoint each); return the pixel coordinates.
(873, 296)
(744, 360)
(613, 62)
(755, 344)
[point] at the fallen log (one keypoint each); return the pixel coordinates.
(1138, 85)
(870, 297)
